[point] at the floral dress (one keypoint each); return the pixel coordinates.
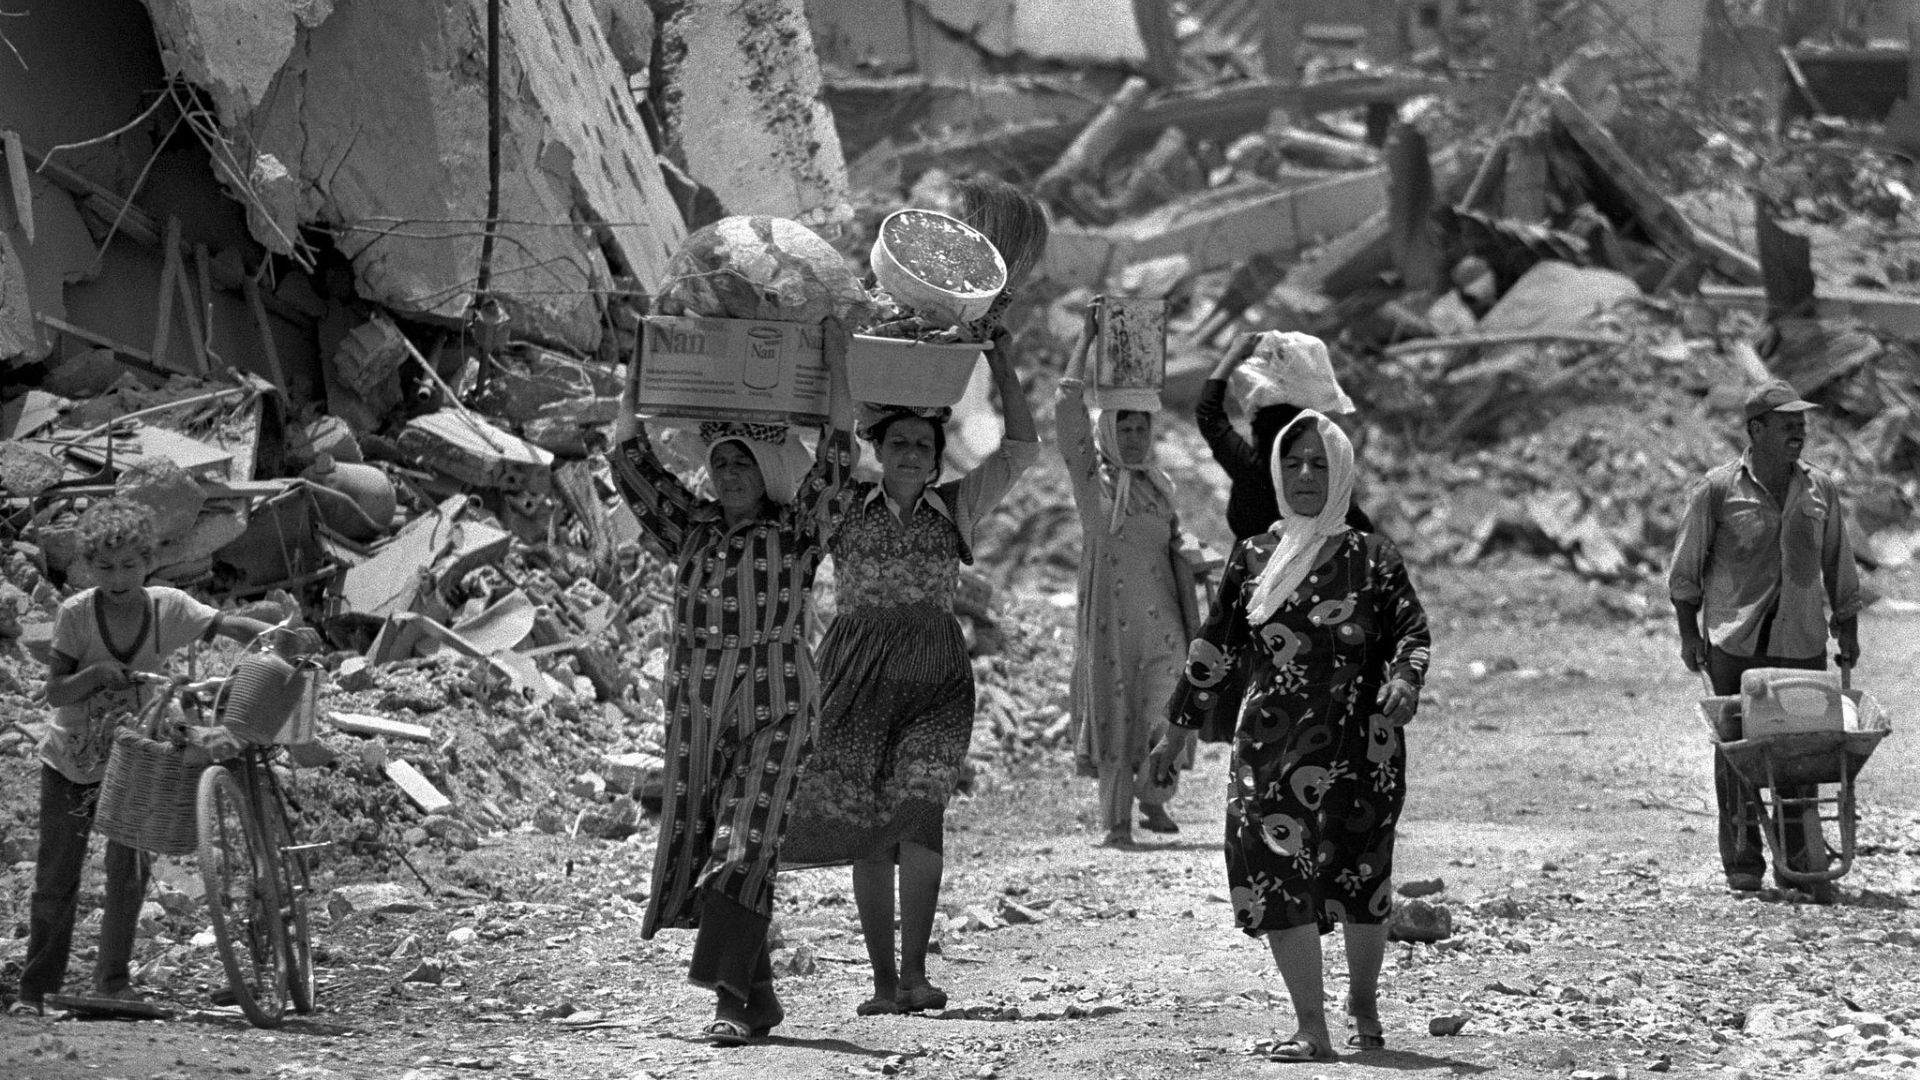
(897, 692)
(740, 685)
(1318, 775)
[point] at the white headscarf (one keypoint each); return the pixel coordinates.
(1116, 477)
(782, 460)
(1301, 537)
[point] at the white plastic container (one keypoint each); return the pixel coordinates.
(942, 304)
(1791, 701)
(896, 371)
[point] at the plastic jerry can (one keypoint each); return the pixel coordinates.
(1789, 701)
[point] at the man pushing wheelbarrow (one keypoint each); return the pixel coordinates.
(1762, 575)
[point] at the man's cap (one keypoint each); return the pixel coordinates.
(1775, 395)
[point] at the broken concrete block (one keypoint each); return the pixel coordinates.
(417, 787)
(616, 820)
(640, 775)
(1419, 920)
(587, 785)
(363, 724)
(166, 489)
(353, 674)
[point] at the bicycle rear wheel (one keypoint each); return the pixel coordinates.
(243, 899)
(292, 880)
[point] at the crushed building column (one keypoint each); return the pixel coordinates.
(743, 109)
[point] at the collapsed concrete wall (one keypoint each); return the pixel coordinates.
(374, 125)
(85, 92)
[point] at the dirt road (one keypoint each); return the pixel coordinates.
(1560, 790)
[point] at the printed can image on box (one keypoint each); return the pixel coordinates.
(754, 370)
(1130, 351)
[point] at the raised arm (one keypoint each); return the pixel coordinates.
(822, 491)
(1234, 453)
(1073, 430)
(1013, 397)
(657, 497)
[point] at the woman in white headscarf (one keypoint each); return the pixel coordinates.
(1315, 646)
(1137, 605)
(741, 693)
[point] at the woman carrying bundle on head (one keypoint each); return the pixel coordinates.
(897, 693)
(1137, 605)
(740, 688)
(1284, 373)
(1315, 649)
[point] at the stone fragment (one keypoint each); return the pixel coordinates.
(375, 898)
(1447, 1023)
(1419, 920)
(587, 785)
(429, 971)
(1422, 887)
(641, 775)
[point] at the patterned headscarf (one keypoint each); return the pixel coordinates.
(1301, 537)
(873, 416)
(1117, 479)
(782, 460)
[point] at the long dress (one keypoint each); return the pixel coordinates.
(1318, 773)
(1135, 618)
(740, 685)
(897, 693)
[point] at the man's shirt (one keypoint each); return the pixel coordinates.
(1755, 563)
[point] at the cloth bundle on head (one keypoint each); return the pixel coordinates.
(1290, 368)
(1122, 482)
(782, 460)
(1301, 537)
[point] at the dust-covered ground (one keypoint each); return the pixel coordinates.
(1560, 791)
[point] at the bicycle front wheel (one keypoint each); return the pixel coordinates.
(291, 878)
(243, 899)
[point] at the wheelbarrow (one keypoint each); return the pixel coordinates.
(1822, 763)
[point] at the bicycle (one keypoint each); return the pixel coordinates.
(256, 871)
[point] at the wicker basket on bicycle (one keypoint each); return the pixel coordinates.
(148, 797)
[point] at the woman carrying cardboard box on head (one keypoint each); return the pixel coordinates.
(1137, 604)
(740, 690)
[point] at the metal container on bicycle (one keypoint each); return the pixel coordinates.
(269, 700)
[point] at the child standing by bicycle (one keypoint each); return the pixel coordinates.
(109, 643)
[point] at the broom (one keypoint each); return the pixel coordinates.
(1014, 222)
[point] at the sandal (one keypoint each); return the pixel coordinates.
(725, 1031)
(1300, 1046)
(23, 1007)
(921, 998)
(879, 1006)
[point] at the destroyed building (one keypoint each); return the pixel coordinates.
(364, 275)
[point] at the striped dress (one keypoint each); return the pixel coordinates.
(740, 686)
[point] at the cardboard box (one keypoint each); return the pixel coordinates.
(1130, 351)
(753, 370)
